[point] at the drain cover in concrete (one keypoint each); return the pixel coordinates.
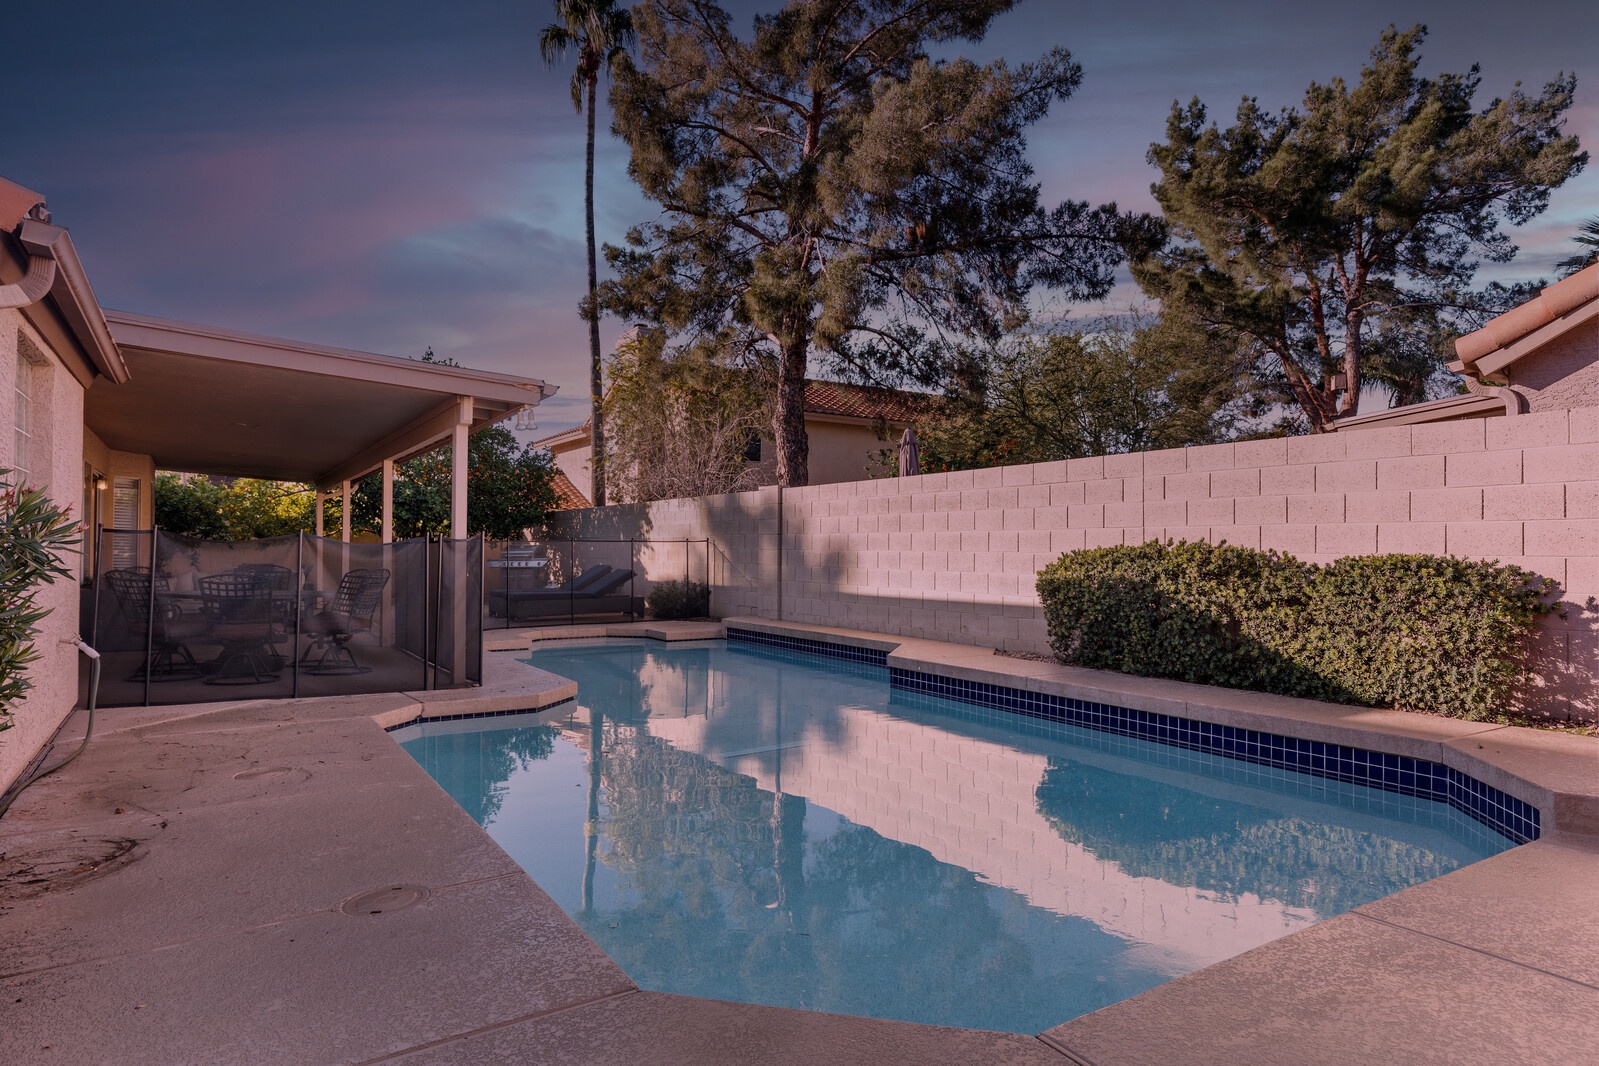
(385, 900)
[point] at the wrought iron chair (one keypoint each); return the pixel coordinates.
(244, 621)
(356, 601)
(161, 625)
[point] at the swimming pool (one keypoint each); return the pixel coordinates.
(756, 825)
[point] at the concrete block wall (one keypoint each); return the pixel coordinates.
(954, 556)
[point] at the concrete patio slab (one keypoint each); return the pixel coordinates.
(665, 1030)
(1469, 907)
(315, 988)
(380, 831)
(1349, 990)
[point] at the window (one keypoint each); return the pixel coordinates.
(22, 461)
(125, 517)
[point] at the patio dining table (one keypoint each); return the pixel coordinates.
(284, 613)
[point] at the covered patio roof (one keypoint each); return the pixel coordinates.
(215, 401)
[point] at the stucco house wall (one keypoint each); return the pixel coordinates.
(56, 463)
(1563, 373)
(845, 450)
(573, 461)
(954, 556)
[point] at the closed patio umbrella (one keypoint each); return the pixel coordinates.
(910, 459)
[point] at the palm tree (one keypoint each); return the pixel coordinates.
(601, 33)
(1588, 239)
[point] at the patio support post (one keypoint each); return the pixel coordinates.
(319, 524)
(346, 502)
(458, 458)
(459, 534)
(388, 501)
(388, 536)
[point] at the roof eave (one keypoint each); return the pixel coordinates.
(189, 338)
(70, 291)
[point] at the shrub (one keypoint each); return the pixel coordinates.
(680, 599)
(1420, 632)
(33, 534)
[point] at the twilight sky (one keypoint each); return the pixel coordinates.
(392, 175)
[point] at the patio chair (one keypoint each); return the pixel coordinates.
(163, 626)
(244, 620)
(356, 601)
(281, 581)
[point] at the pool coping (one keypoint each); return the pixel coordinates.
(1484, 964)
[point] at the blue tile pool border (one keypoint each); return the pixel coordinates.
(811, 646)
(1403, 774)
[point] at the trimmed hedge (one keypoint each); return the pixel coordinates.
(1419, 632)
(680, 599)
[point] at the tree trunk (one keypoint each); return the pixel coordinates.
(596, 376)
(788, 421)
(1354, 321)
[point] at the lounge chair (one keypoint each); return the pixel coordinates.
(594, 596)
(499, 599)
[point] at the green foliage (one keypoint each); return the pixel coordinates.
(508, 490)
(34, 533)
(1130, 383)
(244, 509)
(1418, 632)
(832, 192)
(1341, 238)
(680, 426)
(680, 599)
(1587, 241)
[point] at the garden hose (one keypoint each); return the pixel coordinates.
(94, 692)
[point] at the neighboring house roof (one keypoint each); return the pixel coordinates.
(1485, 354)
(567, 494)
(1518, 332)
(864, 401)
(822, 398)
(575, 435)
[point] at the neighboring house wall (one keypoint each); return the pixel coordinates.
(955, 556)
(573, 461)
(842, 449)
(1561, 375)
(846, 449)
(55, 460)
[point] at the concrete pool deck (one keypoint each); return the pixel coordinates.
(278, 881)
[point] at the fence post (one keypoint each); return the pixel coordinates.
(299, 603)
(149, 618)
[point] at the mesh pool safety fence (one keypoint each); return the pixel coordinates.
(181, 620)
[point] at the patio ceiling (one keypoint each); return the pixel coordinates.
(212, 401)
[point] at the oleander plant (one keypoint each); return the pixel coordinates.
(35, 535)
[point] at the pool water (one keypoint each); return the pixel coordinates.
(754, 825)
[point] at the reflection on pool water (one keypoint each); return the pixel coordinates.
(753, 825)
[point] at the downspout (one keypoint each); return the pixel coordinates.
(1515, 403)
(33, 286)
